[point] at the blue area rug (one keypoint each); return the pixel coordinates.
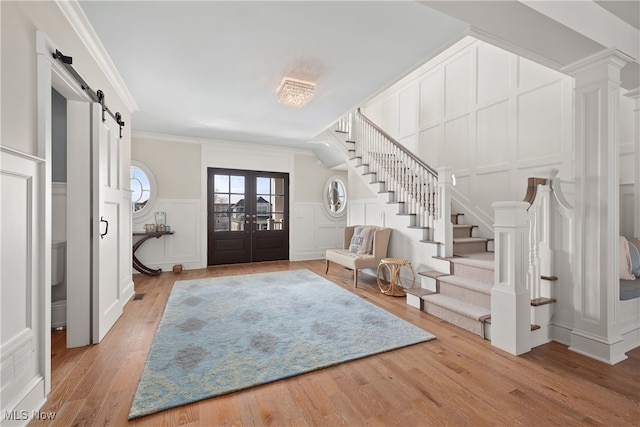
(224, 334)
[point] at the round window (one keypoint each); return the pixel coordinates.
(335, 196)
(143, 188)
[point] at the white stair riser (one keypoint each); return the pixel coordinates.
(480, 274)
(469, 247)
(466, 295)
(429, 283)
(541, 315)
(462, 232)
(457, 319)
(414, 301)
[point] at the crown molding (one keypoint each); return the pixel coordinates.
(633, 93)
(81, 25)
(513, 48)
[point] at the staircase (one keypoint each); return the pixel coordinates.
(462, 297)
(458, 288)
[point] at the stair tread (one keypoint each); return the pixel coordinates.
(463, 226)
(464, 308)
(433, 242)
(483, 260)
(536, 302)
(433, 273)
(469, 239)
(419, 292)
(467, 283)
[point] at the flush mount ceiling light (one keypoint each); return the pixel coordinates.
(295, 93)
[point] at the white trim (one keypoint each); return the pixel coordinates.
(21, 154)
(612, 56)
(153, 191)
(81, 25)
(26, 375)
(515, 49)
(285, 149)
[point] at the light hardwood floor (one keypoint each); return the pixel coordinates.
(457, 379)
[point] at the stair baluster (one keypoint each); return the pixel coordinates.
(411, 181)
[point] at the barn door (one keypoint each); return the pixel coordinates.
(106, 222)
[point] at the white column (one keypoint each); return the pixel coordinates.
(443, 232)
(635, 95)
(510, 298)
(596, 332)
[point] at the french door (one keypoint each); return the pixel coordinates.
(248, 216)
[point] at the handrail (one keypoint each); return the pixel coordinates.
(397, 144)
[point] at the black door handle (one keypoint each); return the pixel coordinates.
(106, 230)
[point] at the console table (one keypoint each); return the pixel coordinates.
(136, 262)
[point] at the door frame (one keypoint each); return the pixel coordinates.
(247, 156)
(249, 234)
(51, 74)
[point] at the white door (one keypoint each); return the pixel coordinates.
(106, 189)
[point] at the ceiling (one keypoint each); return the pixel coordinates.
(211, 69)
(627, 10)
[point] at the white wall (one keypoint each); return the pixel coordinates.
(21, 117)
(175, 164)
(23, 317)
(317, 231)
(180, 167)
(492, 116)
(20, 20)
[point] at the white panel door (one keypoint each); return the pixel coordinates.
(107, 186)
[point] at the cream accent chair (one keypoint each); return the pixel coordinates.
(357, 261)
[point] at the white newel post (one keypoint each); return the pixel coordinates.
(510, 298)
(597, 331)
(542, 236)
(443, 232)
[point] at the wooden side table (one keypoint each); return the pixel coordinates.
(136, 262)
(388, 276)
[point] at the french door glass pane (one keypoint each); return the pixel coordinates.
(229, 203)
(269, 203)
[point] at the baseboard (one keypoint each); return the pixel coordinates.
(609, 351)
(28, 406)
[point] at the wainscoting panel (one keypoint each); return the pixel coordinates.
(492, 144)
(431, 99)
(499, 183)
(458, 83)
(23, 321)
(429, 146)
(409, 103)
(456, 145)
(494, 74)
(315, 231)
(486, 113)
(357, 212)
(183, 247)
(539, 121)
(627, 210)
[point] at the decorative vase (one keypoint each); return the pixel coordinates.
(160, 218)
